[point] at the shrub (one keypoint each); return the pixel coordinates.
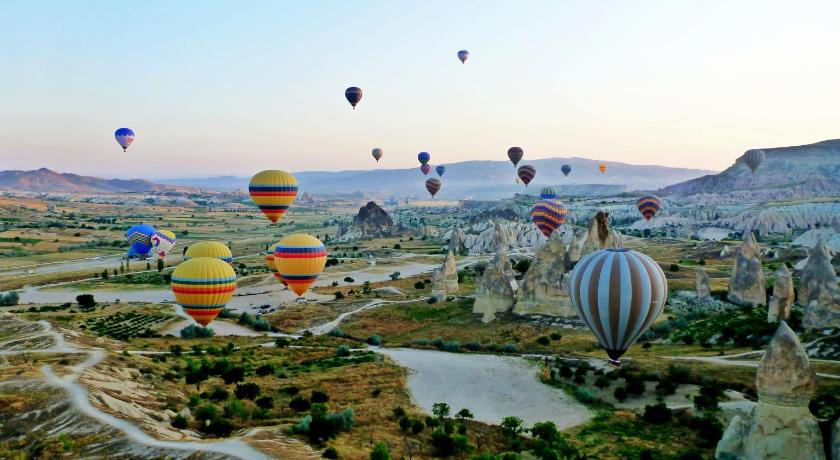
(265, 369)
(543, 340)
(206, 412)
(472, 346)
(220, 427)
(585, 396)
(417, 426)
(511, 348)
(674, 268)
(86, 300)
(635, 386)
(319, 396)
(179, 421)
(380, 452)
(452, 346)
(602, 382)
(265, 402)
(555, 336)
(658, 414)
(522, 266)
(218, 394)
(437, 342)
(194, 331)
(299, 404)
(342, 351)
(248, 390)
(419, 285)
(620, 394)
(375, 340)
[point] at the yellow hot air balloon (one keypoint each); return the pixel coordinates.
(203, 286)
(269, 262)
(602, 167)
(273, 191)
(299, 259)
(209, 249)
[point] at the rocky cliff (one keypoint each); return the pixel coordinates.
(371, 220)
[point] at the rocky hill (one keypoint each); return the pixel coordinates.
(45, 180)
(371, 220)
(787, 173)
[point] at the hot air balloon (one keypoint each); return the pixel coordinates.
(463, 55)
(440, 169)
(377, 154)
(269, 262)
(753, 158)
(618, 294)
(515, 154)
(602, 167)
(565, 169)
(203, 286)
(139, 238)
(526, 173)
(548, 214)
(353, 95)
(212, 249)
(299, 259)
(425, 169)
(433, 185)
(648, 205)
(547, 193)
(162, 242)
(423, 157)
(273, 191)
(125, 137)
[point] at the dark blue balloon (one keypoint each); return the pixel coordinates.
(423, 157)
(440, 169)
(140, 239)
(566, 169)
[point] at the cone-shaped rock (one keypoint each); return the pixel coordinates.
(545, 287)
(450, 273)
(704, 292)
(785, 375)
(600, 236)
(497, 290)
(782, 299)
(746, 286)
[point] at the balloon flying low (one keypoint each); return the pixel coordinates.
(753, 158)
(423, 157)
(440, 169)
(269, 262)
(299, 260)
(526, 173)
(515, 154)
(463, 55)
(125, 137)
(353, 95)
(648, 205)
(139, 238)
(273, 191)
(377, 154)
(618, 293)
(566, 169)
(425, 169)
(432, 186)
(203, 286)
(162, 242)
(213, 249)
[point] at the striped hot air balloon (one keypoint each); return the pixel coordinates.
(139, 237)
(618, 294)
(162, 242)
(273, 191)
(753, 158)
(203, 286)
(433, 185)
(212, 249)
(526, 173)
(548, 193)
(124, 136)
(565, 169)
(648, 205)
(548, 214)
(515, 154)
(300, 259)
(269, 262)
(425, 169)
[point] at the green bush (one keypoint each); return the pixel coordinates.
(658, 414)
(330, 453)
(342, 351)
(543, 340)
(380, 452)
(179, 421)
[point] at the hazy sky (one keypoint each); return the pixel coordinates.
(236, 87)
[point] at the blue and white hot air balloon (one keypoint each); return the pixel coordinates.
(125, 137)
(139, 237)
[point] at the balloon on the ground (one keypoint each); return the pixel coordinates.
(377, 154)
(440, 169)
(125, 137)
(463, 55)
(300, 259)
(565, 169)
(212, 249)
(602, 167)
(515, 154)
(425, 169)
(526, 173)
(273, 191)
(162, 242)
(433, 185)
(139, 238)
(203, 286)
(423, 157)
(618, 293)
(353, 95)
(269, 262)
(548, 193)
(753, 158)
(648, 205)
(548, 214)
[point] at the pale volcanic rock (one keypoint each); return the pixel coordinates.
(704, 292)
(599, 235)
(780, 426)
(746, 286)
(496, 292)
(817, 275)
(438, 285)
(450, 273)
(545, 287)
(782, 300)
(456, 239)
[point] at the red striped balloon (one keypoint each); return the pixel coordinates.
(618, 294)
(648, 205)
(526, 173)
(548, 214)
(433, 185)
(425, 169)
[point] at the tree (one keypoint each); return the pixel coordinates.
(160, 265)
(512, 426)
(658, 414)
(319, 396)
(463, 414)
(417, 426)
(522, 266)
(547, 431)
(380, 452)
(299, 404)
(440, 410)
(405, 423)
(620, 394)
(394, 276)
(175, 350)
(195, 375)
(248, 390)
(179, 421)
(348, 279)
(265, 402)
(86, 300)
(233, 374)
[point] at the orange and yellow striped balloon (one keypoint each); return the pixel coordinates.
(203, 286)
(299, 259)
(273, 191)
(209, 249)
(269, 262)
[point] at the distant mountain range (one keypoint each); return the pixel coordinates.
(802, 171)
(475, 179)
(45, 180)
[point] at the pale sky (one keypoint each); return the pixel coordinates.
(236, 87)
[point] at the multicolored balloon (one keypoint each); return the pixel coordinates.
(213, 249)
(423, 157)
(139, 238)
(162, 242)
(203, 286)
(566, 169)
(648, 205)
(353, 95)
(463, 55)
(526, 173)
(377, 154)
(753, 158)
(125, 137)
(433, 185)
(548, 214)
(548, 193)
(440, 169)
(515, 154)
(273, 191)
(602, 167)
(300, 259)
(425, 169)
(618, 294)
(269, 262)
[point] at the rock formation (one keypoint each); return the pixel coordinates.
(497, 290)
(450, 273)
(545, 287)
(372, 221)
(704, 292)
(746, 286)
(456, 239)
(818, 290)
(438, 285)
(501, 237)
(780, 426)
(782, 299)
(599, 235)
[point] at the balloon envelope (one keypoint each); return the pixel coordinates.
(377, 153)
(212, 249)
(526, 173)
(353, 95)
(463, 55)
(754, 158)
(273, 191)
(269, 262)
(440, 169)
(618, 294)
(515, 154)
(548, 214)
(648, 205)
(300, 259)
(203, 286)
(125, 137)
(423, 157)
(425, 169)
(565, 169)
(433, 185)
(162, 242)
(548, 193)
(602, 167)
(139, 238)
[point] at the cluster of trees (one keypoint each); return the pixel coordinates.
(9, 299)
(455, 346)
(257, 322)
(194, 331)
